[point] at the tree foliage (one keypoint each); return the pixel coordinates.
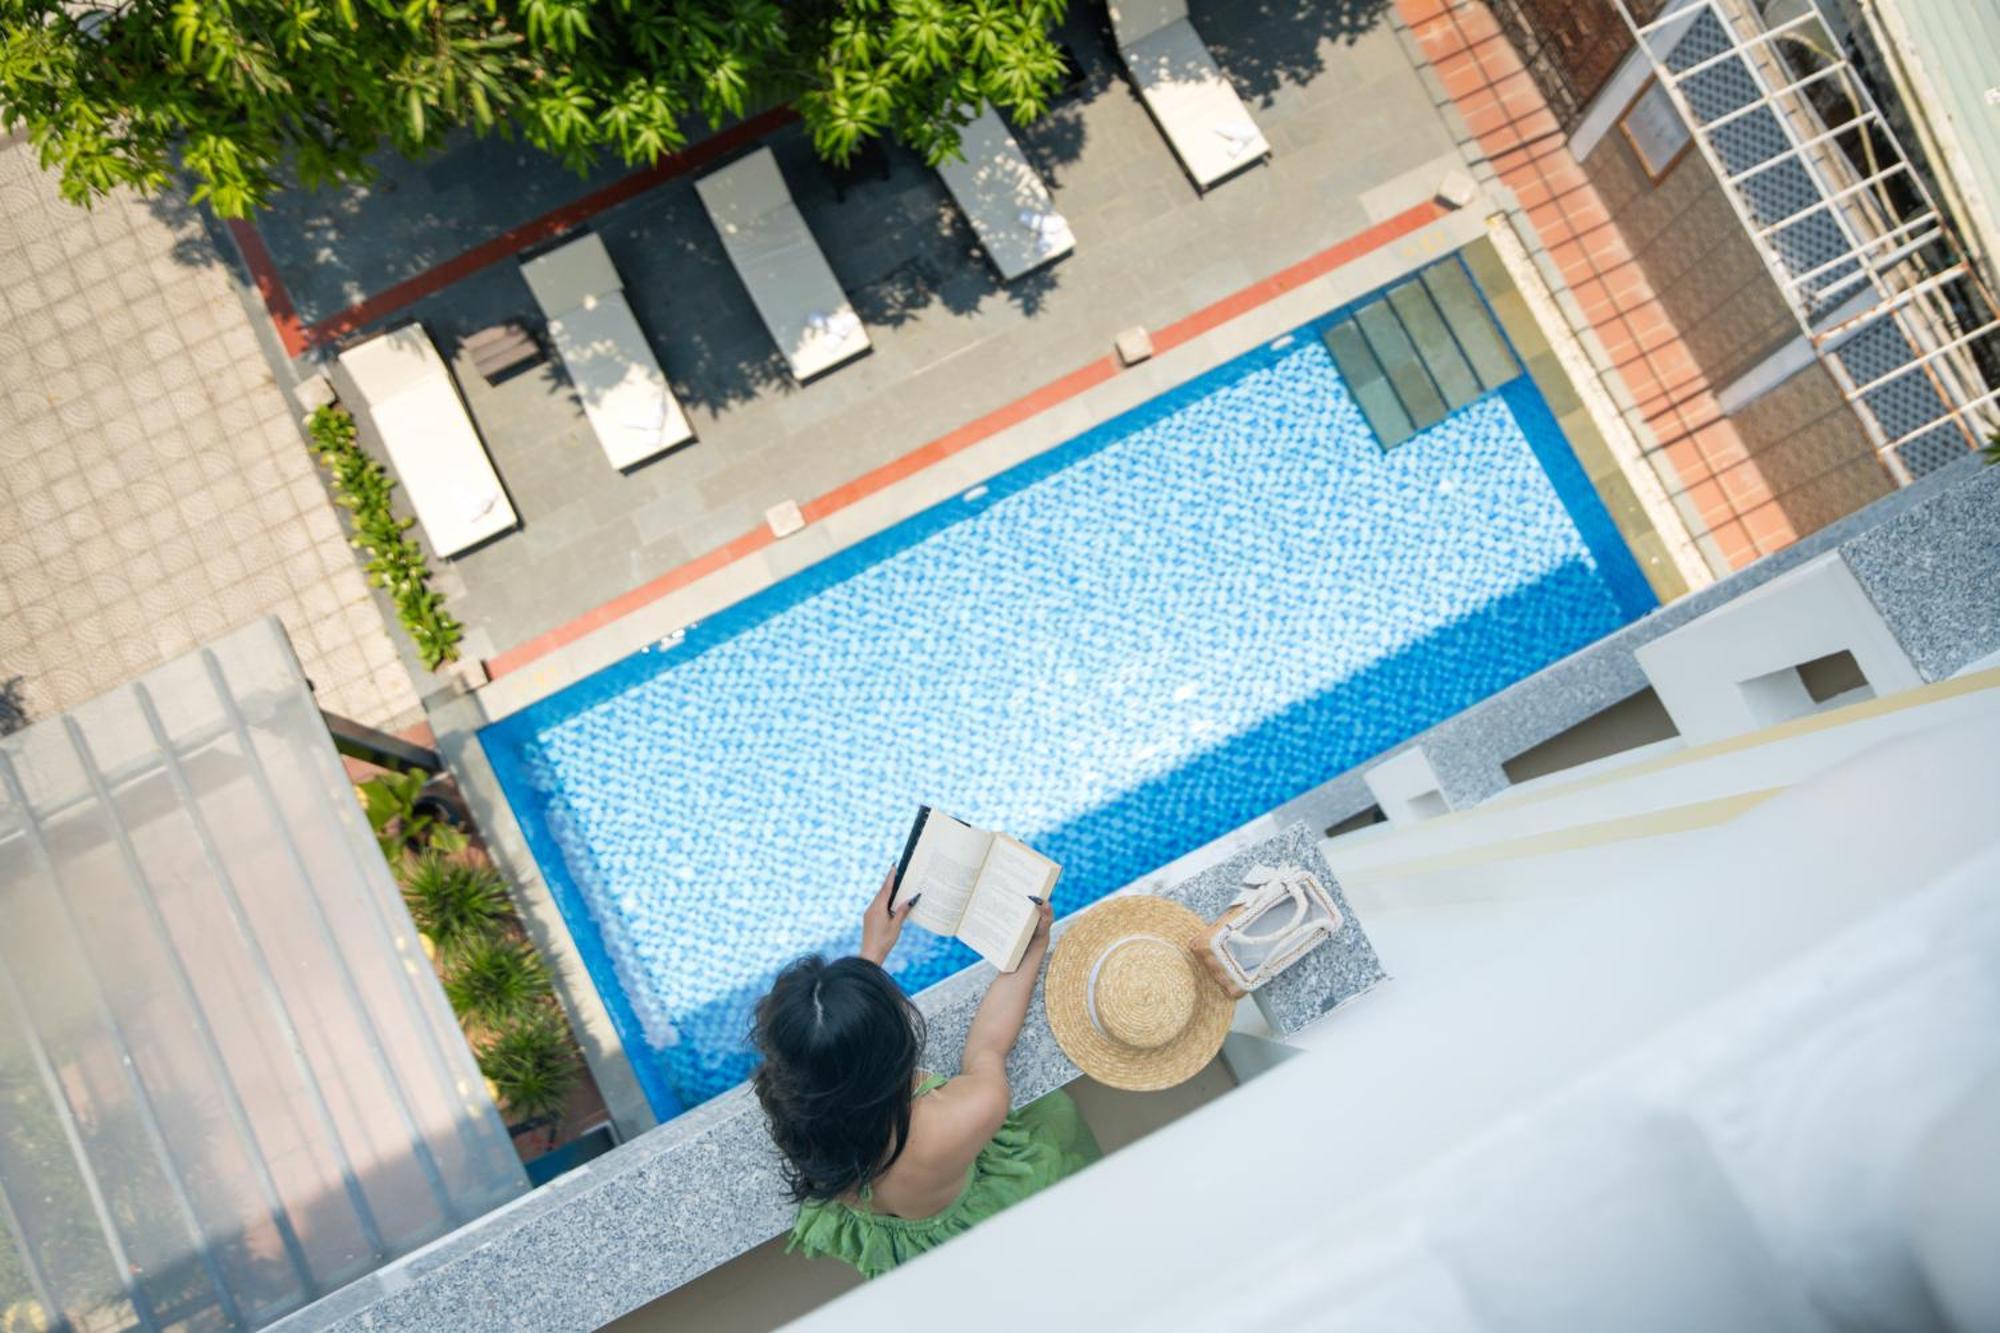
(250, 93)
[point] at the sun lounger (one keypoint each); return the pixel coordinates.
(607, 355)
(1195, 106)
(1005, 199)
(442, 467)
(775, 255)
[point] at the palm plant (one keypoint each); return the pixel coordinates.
(532, 1067)
(391, 802)
(453, 900)
(496, 980)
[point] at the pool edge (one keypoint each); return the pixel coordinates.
(756, 561)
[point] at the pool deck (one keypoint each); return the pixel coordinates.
(1357, 141)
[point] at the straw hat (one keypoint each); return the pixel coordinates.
(1127, 1000)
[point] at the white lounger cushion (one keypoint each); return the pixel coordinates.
(775, 255)
(439, 461)
(609, 359)
(1197, 107)
(1005, 199)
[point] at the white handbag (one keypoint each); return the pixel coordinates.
(1278, 917)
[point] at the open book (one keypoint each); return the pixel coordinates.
(975, 884)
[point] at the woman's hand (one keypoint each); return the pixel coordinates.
(1039, 941)
(881, 924)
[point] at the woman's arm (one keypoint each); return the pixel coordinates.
(978, 1097)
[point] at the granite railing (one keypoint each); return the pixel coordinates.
(1928, 556)
(703, 1188)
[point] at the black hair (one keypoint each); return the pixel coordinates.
(840, 1043)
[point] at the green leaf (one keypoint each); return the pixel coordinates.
(246, 94)
(533, 1067)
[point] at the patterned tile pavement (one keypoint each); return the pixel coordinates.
(154, 488)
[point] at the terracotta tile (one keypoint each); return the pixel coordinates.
(1618, 344)
(1734, 543)
(1710, 502)
(1769, 528)
(1688, 464)
(1745, 486)
(1597, 304)
(1673, 363)
(1721, 446)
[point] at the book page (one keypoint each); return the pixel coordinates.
(943, 870)
(999, 920)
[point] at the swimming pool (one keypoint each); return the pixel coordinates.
(1118, 651)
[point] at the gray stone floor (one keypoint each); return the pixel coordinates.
(1329, 84)
(154, 490)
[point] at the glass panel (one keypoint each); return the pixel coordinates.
(228, 1080)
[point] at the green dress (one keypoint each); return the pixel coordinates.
(1034, 1148)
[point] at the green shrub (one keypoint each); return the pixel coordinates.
(391, 803)
(395, 563)
(532, 1067)
(495, 980)
(454, 901)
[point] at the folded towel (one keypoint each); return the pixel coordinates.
(650, 420)
(474, 505)
(840, 325)
(1238, 135)
(1050, 230)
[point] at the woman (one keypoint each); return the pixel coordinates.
(884, 1160)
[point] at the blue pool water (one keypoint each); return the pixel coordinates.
(1118, 651)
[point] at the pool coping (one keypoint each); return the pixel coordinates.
(1405, 239)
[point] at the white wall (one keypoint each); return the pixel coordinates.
(1670, 1089)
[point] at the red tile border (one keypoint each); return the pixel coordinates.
(1029, 405)
(264, 275)
(1290, 279)
(549, 225)
(298, 337)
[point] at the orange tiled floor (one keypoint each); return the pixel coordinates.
(1519, 134)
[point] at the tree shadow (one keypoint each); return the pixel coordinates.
(194, 238)
(893, 236)
(13, 706)
(1268, 44)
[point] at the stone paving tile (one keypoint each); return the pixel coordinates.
(950, 342)
(151, 479)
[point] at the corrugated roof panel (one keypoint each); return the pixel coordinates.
(228, 1080)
